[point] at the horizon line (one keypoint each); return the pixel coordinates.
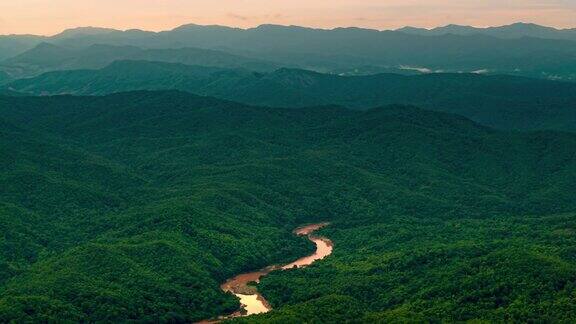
(290, 25)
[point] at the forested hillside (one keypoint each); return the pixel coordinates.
(504, 102)
(135, 206)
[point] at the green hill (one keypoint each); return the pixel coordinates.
(135, 206)
(10, 93)
(504, 102)
(87, 238)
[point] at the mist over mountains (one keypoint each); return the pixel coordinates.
(48, 57)
(519, 49)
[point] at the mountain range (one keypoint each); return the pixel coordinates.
(139, 171)
(517, 30)
(348, 50)
(500, 101)
(48, 57)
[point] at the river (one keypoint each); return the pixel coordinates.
(252, 302)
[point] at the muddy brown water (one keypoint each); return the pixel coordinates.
(252, 302)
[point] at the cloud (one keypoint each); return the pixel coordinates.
(238, 17)
(257, 18)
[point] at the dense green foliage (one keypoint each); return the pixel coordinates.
(499, 269)
(135, 206)
(11, 93)
(498, 101)
(85, 238)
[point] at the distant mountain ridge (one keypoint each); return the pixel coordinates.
(516, 30)
(47, 57)
(12, 45)
(83, 31)
(498, 101)
(518, 49)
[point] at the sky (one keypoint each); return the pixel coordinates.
(48, 17)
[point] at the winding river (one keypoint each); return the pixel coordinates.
(252, 302)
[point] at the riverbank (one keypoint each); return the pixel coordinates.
(243, 285)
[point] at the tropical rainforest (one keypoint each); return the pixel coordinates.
(141, 170)
(135, 206)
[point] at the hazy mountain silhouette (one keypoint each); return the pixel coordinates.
(520, 49)
(49, 57)
(517, 30)
(13, 45)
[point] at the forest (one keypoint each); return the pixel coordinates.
(498, 101)
(136, 206)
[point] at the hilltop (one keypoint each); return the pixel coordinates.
(500, 101)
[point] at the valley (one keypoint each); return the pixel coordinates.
(252, 302)
(144, 202)
(253, 170)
